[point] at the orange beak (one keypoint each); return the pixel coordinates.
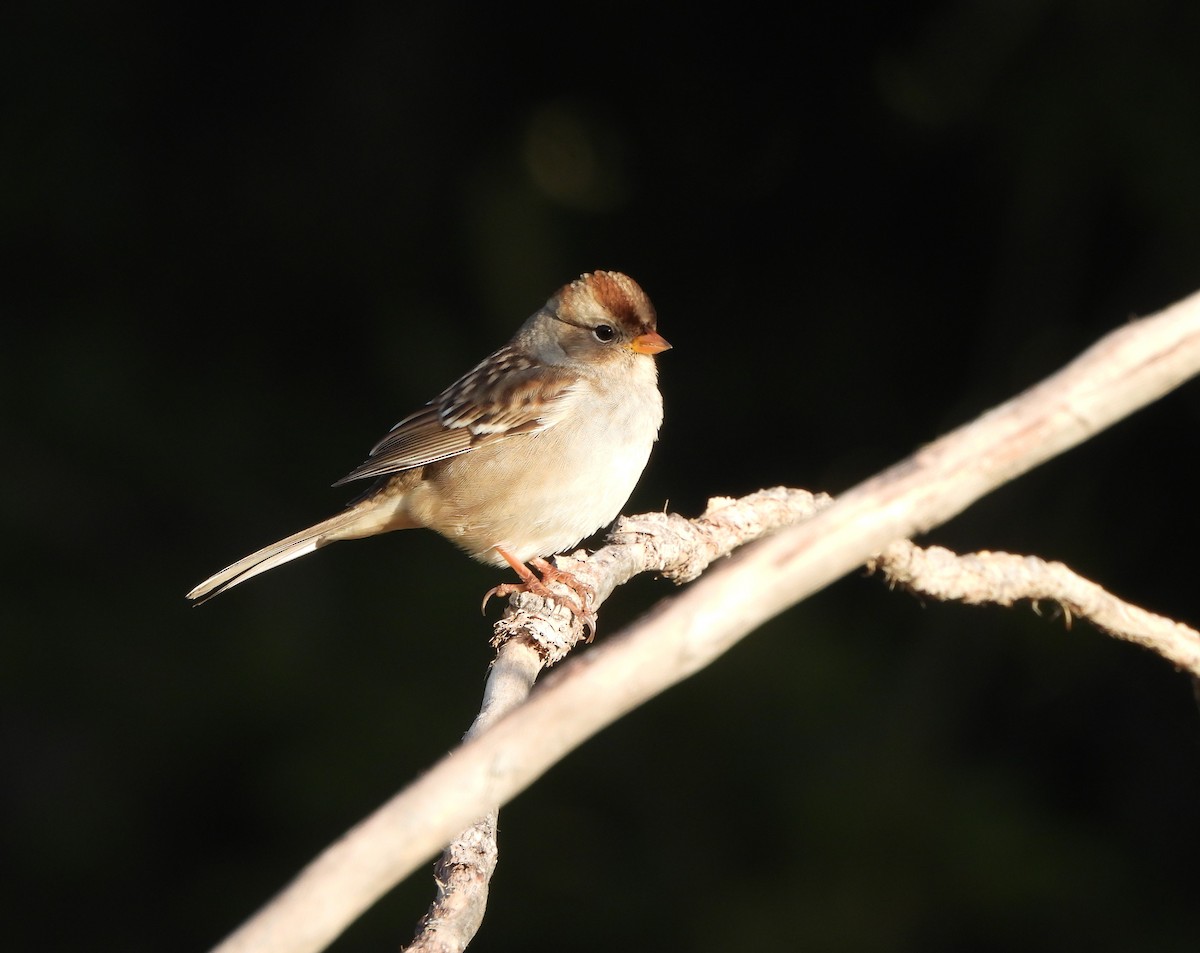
(650, 343)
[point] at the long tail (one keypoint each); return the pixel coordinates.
(364, 519)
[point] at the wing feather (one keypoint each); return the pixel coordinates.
(509, 393)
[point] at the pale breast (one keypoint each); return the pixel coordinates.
(539, 494)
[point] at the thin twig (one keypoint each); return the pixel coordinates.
(466, 866)
(1004, 578)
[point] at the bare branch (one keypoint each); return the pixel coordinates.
(665, 543)
(678, 548)
(463, 875)
(1123, 372)
(466, 866)
(1003, 579)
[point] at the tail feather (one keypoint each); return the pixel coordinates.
(341, 526)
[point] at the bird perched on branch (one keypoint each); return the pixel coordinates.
(536, 447)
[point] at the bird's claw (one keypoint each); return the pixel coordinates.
(531, 583)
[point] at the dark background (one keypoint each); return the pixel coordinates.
(240, 246)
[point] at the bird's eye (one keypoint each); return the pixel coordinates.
(604, 333)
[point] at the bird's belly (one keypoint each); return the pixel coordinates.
(536, 494)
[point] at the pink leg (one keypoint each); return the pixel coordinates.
(530, 583)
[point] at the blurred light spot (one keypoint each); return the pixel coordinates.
(573, 159)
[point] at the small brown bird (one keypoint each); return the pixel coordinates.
(535, 448)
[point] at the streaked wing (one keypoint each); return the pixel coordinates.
(417, 440)
(508, 393)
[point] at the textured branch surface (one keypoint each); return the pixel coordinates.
(1126, 370)
(463, 875)
(675, 547)
(466, 866)
(679, 549)
(1004, 578)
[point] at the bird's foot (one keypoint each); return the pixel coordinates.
(531, 583)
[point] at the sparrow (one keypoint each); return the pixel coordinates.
(536, 447)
